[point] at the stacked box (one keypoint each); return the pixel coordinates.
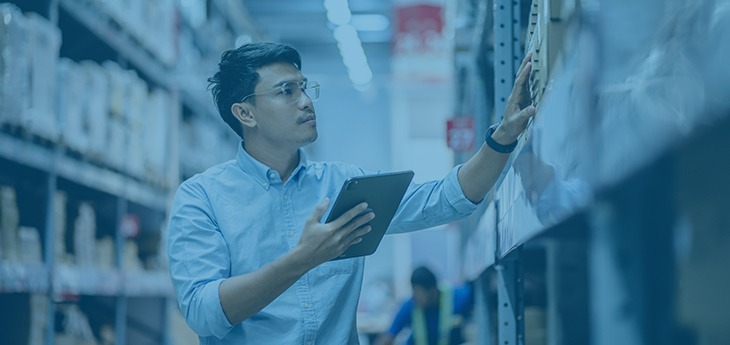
(72, 105)
(45, 44)
(14, 66)
(9, 220)
(98, 108)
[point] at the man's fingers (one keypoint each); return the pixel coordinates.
(319, 211)
(349, 215)
(358, 222)
(516, 96)
(527, 58)
(356, 236)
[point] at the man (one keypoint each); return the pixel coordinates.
(249, 257)
(435, 316)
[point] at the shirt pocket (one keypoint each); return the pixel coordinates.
(336, 267)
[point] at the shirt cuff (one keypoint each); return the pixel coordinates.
(455, 195)
(218, 322)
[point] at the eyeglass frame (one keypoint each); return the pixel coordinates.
(303, 86)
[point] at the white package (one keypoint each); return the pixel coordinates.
(45, 44)
(14, 67)
(72, 105)
(135, 115)
(157, 133)
(98, 108)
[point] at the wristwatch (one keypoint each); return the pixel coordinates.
(495, 145)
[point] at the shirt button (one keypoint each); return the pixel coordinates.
(305, 305)
(272, 174)
(291, 233)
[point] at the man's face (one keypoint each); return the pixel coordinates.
(279, 122)
(424, 298)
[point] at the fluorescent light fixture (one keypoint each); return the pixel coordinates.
(370, 22)
(338, 11)
(353, 56)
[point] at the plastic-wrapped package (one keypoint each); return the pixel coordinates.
(136, 115)
(156, 133)
(117, 132)
(59, 222)
(30, 245)
(38, 317)
(9, 219)
(14, 65)
(105, 252)
(72, 105)
(45, 44)
(98, 108)
(85, 236)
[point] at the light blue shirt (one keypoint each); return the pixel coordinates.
(237, 217)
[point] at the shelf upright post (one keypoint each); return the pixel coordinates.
(507, 52)
(120, 321)
(510, 305)
(504, 51)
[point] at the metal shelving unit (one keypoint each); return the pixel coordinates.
(128, 293)
(594, 189)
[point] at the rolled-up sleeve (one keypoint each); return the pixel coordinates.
(199, 261)
(432, 203)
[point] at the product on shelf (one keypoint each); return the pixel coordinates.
(85, 236)
(98, 108)
(9, 219)
(77, 330)
(130, 257)
(105, 252)
(59, 222)
(38, 316)
(136, 115)
(14, 65)
(30, 245)
(72, 95)
(117, 131)
(156, 129)
(45, 44)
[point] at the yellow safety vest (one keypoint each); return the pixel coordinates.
(418, 320)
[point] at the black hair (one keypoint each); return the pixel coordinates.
(237, 76)
(424, 278)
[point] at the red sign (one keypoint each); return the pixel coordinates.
(460, 133)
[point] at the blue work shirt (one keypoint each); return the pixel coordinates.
(463, 300)
(238, 216)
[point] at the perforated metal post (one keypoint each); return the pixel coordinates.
(507, 51)
(510, 306)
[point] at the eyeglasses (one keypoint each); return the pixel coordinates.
(292, 91)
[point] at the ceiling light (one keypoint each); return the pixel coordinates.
(338, 11)
(370, 22)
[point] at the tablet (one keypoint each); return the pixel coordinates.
(383, 193)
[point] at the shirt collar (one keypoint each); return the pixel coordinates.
(264, 175)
